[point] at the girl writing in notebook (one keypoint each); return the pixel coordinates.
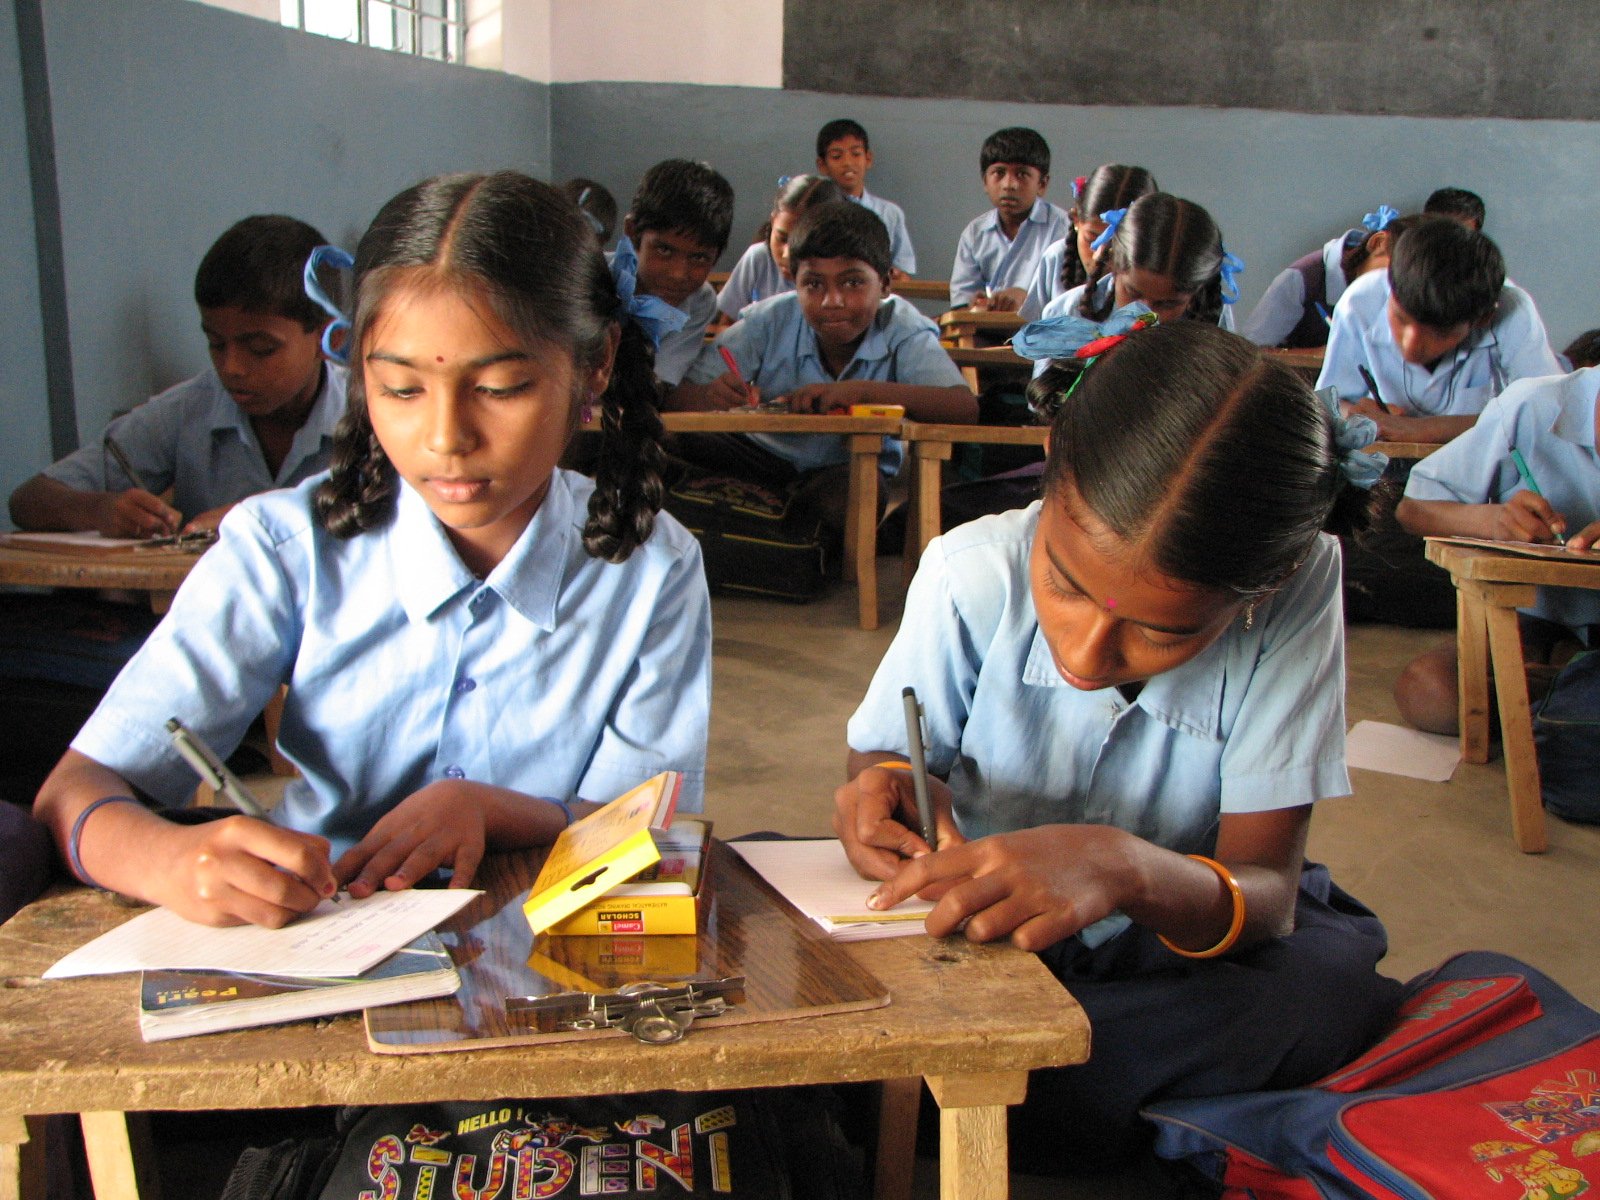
(1134, 694)
(472, 640)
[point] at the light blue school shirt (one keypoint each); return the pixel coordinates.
(194, 439)
(1067, 302)
(1513, 347)
(1283, 304)
(1550, 421)
(756, 276)
(988, 260)
(678, 349)
(559, 675)
(777, 351)
(1253, 723)
(1046, 282)
(901, 254)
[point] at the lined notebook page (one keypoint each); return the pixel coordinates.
(817, 878)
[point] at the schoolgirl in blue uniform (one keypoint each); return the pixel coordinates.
(1067, 263)
(1134, 694)
(473, 640)
(763, 269)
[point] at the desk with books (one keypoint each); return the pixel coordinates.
(970, 1020)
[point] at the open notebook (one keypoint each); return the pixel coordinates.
(817, 878)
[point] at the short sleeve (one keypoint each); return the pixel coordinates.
(148, 436)
(1471, 467)
(1278, 311)
(1346, 351)
(966, 277)
(739, 290)
(678, 350)
(1524, 343)
(920, 359)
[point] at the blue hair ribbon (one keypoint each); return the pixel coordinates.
(1064, 336)
(594, 221)
(783, 180)
(340, 260)
(1378, 221)
(650, 313)
(1351, 435)
(1112, 218)
(1232, 267)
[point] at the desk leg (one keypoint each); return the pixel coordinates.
(896, 1157)
(974, 1162)
(1472, 655)
(931, 457)
(22, 1157)
(121, 1165)
(863, 521)
(1516, 729)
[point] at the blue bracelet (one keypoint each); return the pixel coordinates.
(77, 833)
(562, 805)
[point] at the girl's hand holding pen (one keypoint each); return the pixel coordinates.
(875, 817)
(1526, 517)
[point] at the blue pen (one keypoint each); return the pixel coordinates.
(1528, 482)
(1326, 319)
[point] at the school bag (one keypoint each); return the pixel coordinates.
(1486, 1085)
(753, 539)
(1566, 734)
(762, 1144)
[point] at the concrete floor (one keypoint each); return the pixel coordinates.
(1434, 860)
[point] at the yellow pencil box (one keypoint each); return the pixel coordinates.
(664, 898)
(897, 411)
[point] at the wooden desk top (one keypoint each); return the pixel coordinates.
(989, 435)
(1500, 566)
(1403, 449)
(967, 318)
(741, 420)
(144, 571)
(922, 289)
(73, 1045)
(990, 357)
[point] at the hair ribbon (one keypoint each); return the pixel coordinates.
(340, 260)
(1351, 435)
(1112, 218)
(594, 221)
(1378, 221)
(650, 313)
(783, 180)
(1072, 336)
(1232, 267)
(1078, 185)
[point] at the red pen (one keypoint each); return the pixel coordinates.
(733, 365)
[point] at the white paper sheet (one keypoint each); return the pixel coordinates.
(343, 938)
(1397, 750)
(817, 878)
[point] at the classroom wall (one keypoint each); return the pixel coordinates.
(1278, 183)
(171, 121)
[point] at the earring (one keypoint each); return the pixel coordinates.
(586, 415)
(1250, 615)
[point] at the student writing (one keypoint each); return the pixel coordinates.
(1145, 666)
(1067, 263)
(1441, 331)
(763, 269)
(844, 155)
(474, 641)
(261, 417)
(999, 251)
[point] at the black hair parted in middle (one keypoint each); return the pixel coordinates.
(1209, 458)
(679, 196)
(1444, 274)
(1166, 235)
(1015, 144)
(840, 229)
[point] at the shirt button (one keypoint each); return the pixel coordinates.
(463, 686)
(454, 772)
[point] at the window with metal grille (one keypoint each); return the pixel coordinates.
(427, 28)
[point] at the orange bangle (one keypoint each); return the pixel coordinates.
(893, 764)
(1235, 927)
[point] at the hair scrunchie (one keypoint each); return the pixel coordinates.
(1377, 222)
(1351, 435)
(650, 313)
(340, 260)
(1112, 218)
(1071, 336)
(1232, 267)
(1078, 185)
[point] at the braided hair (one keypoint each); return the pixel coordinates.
(1111, 186)
(1168, 236)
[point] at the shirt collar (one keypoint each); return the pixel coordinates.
(1039, 214)
(874, 346)
(428, 573)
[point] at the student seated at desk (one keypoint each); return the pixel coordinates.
(261, 417)
(677, 226)
(1067, 263)
(1296, 310)
(838, 339)
(763, 269)
(1461, 206)
(1474, 488)
(845, 156)
(1441, 332)
(999, 252)
(1134, 694)
(474, 641)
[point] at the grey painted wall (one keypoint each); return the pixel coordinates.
(1278, 183)
(174, 119)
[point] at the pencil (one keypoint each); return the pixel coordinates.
(1372, 386)
(1528, 481)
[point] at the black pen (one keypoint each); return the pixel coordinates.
(919, 766)
(1372, 386)
(127, 467)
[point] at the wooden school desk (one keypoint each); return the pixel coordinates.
(157, 572)
(971, 1020)
(931, 447)
(1490, 586)
(922, 289)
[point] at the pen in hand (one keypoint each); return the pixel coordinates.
(733, 366)
(1372, 386)
(919, 766)
(1528, 482)
(211, 769)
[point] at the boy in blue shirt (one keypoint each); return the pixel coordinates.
(678, 224)
(838, 339)
(1472, 488)
(999, 252)
(845, 156)
(1441, 332)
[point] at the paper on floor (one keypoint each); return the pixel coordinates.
(1398, 750)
